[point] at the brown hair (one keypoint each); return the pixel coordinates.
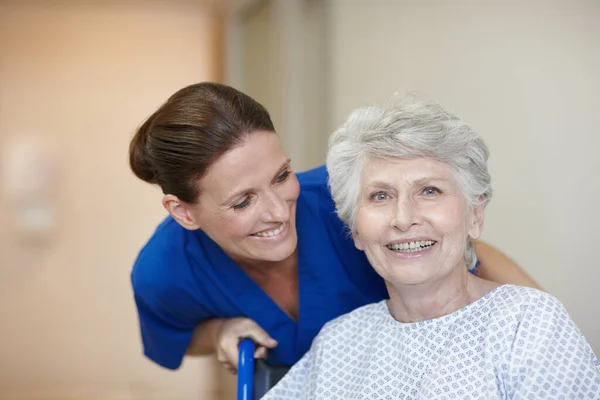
(177, 144)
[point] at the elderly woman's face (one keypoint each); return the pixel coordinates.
(413, 220)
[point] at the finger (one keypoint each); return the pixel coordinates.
(231, 356)
(261, 352)
(221, 357)
(261, 337)
(230, 368)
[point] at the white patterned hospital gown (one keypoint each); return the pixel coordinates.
(513, 343)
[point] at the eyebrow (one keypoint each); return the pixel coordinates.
(240, 192)
(417, 182)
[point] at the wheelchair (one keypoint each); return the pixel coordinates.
(255, 377)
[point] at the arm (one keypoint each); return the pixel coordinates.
(497, 267)
(205, 338)
(169, 324)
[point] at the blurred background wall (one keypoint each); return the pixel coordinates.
(80, 76)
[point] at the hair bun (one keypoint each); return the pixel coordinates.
(139, 157)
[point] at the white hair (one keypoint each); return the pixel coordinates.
(407, 129)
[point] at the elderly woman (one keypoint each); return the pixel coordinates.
(411, 183)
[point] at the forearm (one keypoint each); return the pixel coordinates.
(205, 338)
(497, 267)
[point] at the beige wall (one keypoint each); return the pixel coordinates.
(277, 53)
(525, 74)
(82, 75)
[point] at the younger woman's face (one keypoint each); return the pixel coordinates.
(247, 201)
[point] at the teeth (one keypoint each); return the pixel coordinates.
(418, 245)
(274, 232)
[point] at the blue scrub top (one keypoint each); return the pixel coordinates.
(182, 278)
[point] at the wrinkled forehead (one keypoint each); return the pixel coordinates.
(406, 170)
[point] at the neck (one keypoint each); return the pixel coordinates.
(443, 296)
(269, 268)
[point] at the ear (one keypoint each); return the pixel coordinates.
(476, 221)
(358, 241)
(180, 212)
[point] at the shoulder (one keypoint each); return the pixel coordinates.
(164, 280)
(314, 187)
(161, 261)
(316, 196)
(527, 314)
(315, 178)
(524, 300)
(546, 344)
(357, 321)
(545, 314)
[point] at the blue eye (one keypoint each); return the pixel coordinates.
(431, 191)
(380, 196)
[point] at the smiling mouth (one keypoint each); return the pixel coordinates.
(412, 247)
(271, 233)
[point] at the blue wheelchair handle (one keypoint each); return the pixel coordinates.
(245, 386)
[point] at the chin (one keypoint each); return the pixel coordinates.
(277, 257)
(413, 282)
(282, 251)
(287, 250)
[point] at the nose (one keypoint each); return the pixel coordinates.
(405, 215)
(275, 208)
